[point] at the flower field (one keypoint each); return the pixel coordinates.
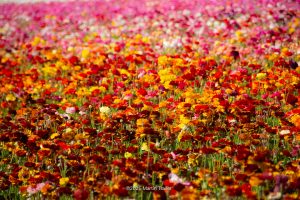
(124, 99)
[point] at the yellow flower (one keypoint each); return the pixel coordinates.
(142, 122)
(117, 101)
(124, 71)
(180, 135)
(37, 40)
(178, 62)
(82, 91)
(145, 147)
(216, 103)
(10, 97)
(238, 34)
(255, 181)
(295, 80)
(295, 119)
(149, 108)
(68, 130)
(166, 77)
(49, 70)
(127, 155)
(162, 60)
(260, 76)
(54, 135)
(183, 122)
(99, 60)
(81, 136)
(193, 159)
(162, 104)
(85, 53)
(140, 132)
(64, 181)
(137, 101)
(138, 37)
(284, 50)
(148, 78)
(9, 86)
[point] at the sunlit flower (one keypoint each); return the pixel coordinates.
(105, 110)
(182, 100)
(70, 110)
(261, 76)
(10, 97)
(145, 147)
(127, 155)
(64, 181)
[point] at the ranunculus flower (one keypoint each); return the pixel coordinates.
(105, 110)
(70, 110)
(64, 181)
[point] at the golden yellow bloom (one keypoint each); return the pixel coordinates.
(64, 181)
(166, 76)
(81, 136)
(139, 133)
(193, 159)
(127, 155)
(260, 76)
(183, 121)
(142, 122)
(117, 101)
(85, 53)
(255, 181)
(178, 62)
(148, 78)
(145, 147)
(162, 104)
(10, 97)
(162, 60)
(37, 40)
(180, 135)
(295, 119)
(83, 91)
(54, 135)
(124, 71)
(49, 70)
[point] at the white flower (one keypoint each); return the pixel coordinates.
(232, 121)
(82, 113)
(174, 178)
(105, 110)
(284, 132)
(274, 196)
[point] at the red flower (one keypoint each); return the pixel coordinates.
(208, 150)
(234, 190)
(142, 92)
(81, 194)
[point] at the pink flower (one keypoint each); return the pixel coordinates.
(128, 96)
(33, 190)
(70, 110)
(176, 179)
(173, 155)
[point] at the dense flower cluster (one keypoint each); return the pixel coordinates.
(197, 98)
